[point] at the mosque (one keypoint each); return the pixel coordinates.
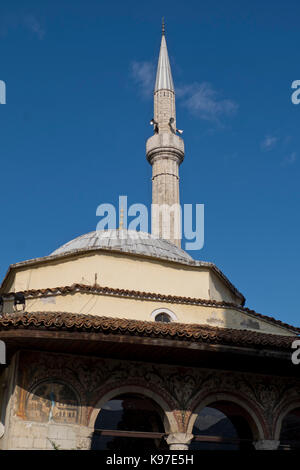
(120, 340)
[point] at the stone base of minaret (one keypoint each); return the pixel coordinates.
(165, 152)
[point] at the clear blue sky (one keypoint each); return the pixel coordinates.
(79, 76)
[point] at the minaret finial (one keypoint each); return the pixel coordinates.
(163, 26)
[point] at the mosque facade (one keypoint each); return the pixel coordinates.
(120, 340)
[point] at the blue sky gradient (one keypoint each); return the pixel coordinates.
(79, 78)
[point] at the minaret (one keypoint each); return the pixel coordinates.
(165, 152)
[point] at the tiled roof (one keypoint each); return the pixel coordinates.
(115, 326)
(97, 289)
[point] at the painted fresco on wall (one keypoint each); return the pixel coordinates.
(52, 401)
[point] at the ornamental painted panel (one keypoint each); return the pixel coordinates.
(52, 401)
(90, 378)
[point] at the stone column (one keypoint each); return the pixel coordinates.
(179, 440)
(266, 444)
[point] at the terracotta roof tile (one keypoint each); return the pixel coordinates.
(104, 290)
(118, 326)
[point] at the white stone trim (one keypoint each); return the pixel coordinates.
(163, 310)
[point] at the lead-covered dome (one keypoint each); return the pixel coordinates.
(129, 241)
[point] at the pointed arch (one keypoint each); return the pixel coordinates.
(286, 408)
(169, 421)
(250, 411)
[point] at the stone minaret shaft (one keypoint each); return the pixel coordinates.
(165, 152)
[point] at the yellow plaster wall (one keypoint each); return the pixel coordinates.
(121, 307)
(119, 271)
(218, 290)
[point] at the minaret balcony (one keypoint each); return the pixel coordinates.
(165, 145)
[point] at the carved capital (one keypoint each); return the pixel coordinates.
(266, 444)
(179, 440)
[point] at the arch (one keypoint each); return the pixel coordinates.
(251, 413)
(168, 418)
(283, 412)
(127, 421)
(157, 311)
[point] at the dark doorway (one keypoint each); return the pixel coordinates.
(129, 422)
(222, 426)
(290, 431)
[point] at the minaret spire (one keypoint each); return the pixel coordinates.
(164, 80)
(165, 152)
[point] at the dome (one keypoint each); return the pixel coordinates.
(129, 241)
